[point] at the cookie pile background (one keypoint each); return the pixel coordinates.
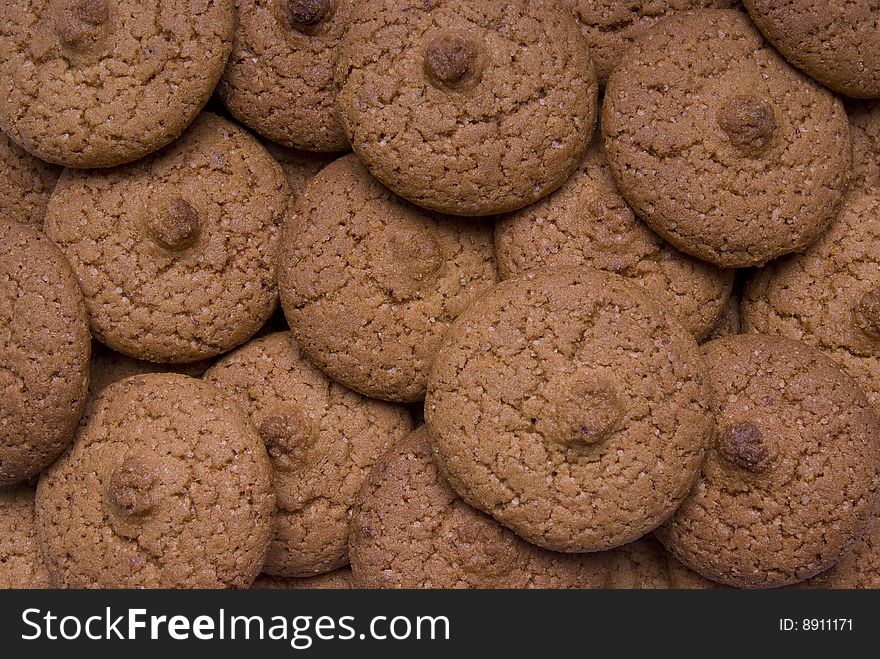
(439, 294)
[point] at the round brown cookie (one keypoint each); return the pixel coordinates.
(571, 408)
(25, 184)
(337, 580)
(107, 367)
(21, 565)
(730, 321)
(322, 441)
(611, 26)
(176, 253)
(370, 283)
(279, 80)
(723, 148)
(859, 568)
(828, 296)
(791, 479)
(96, 83)
(834, 41)
(587, 223)
(409, 529)
(469, 107)
(44, 352)
(167, 486)
(639, 565)
(299, 166)
(864, 127)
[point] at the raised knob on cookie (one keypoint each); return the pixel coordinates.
(582, 409)
(175, 225)
(132, 487)
(454, 60)
(288, 437)
(406, 261)
(744, 445)
(80, 23)
(867, 313)
(749, 122)
(305, 15)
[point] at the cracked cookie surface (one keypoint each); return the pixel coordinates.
(864, 127)
(833, 41)
(858, 568)
(279, 79)
(322, 440)
(721, 146)
(166, 486)
(370, 283)
(44, 352)
(571, 408)
(409, 529)
(467, 107)
(611, 26)
(791, 479)
(21, 564)
(25, 184)
(336, 580)
(300, 167)
(587, 223)
(175, 254)
(828, 295)
(96, 83)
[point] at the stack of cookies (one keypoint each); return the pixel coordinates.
(439, 294)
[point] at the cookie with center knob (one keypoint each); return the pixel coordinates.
(468, 107)
(322, 440)
(791, 479)
(587, 223)
(370, 283)
(829, 295)
(279, 79)
(44, 352)
(720, 145)
(571, 408)
(167, 485)
(97, 83)
(175, 254)
(409, 529)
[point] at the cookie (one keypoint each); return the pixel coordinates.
(859, 568)
(409, 529)
(720, 145)
(791, 479)
(167, 486)
(587, 223)
(279, 79)
(44, 352)
(96, 83)
(337, 580)
(864, 128)
(370, 283)
(730, 321)
(833, 41)
(107, 367)
(611, 26)
(25, 184)
(639, 565)
(571, 408)
(21, 565)
(682, 578)
(322, 440)
(468, 107)
(176, 253)
(300, 167)
(828, 296)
